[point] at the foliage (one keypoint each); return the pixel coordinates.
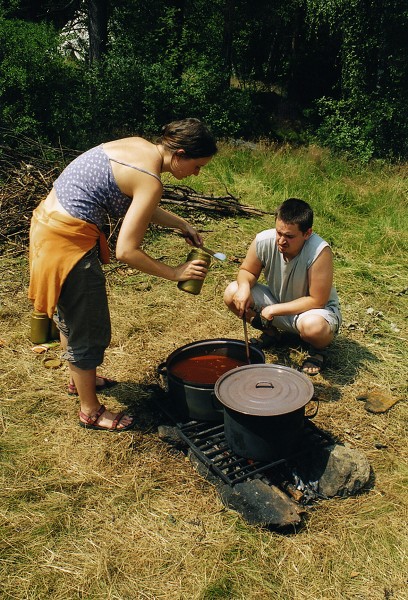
(40, 92)
(338, 68)
(369, 116)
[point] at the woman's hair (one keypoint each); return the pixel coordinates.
(190, 135)
(296, 212)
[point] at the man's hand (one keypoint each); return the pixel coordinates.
(241, 299)
(267, 312)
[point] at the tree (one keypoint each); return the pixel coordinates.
(98, 15)
(369, 115)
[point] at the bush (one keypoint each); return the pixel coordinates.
(364, 129)
(41, 93)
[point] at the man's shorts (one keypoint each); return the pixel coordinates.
(262, 297)
(83, 313)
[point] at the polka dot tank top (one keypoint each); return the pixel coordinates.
(87, 188)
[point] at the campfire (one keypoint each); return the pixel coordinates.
(270, 483)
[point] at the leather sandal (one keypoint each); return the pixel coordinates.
(91, 422)
(259, 322)
(265, 341)
(315, 359)
(107, 383)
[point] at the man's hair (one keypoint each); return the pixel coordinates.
(297, 212)
(191, 135)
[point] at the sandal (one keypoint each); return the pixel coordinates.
(316, 359)
(90, 422)
(107, 383)
(259, 322)
(265, 341)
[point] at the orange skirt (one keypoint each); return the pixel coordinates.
(57, 243)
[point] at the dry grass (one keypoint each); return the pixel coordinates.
(126, 517)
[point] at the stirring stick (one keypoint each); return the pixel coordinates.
(246, 339)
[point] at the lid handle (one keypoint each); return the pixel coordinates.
(264, 384)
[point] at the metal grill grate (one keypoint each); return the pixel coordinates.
(207, 441)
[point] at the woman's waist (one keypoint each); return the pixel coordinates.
(52, 204)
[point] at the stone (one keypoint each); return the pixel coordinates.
(170, 434)
(338, 471)
(379, 402)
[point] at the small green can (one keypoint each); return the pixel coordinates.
(193, 286)
(40, 324)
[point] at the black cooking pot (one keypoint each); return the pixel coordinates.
(264, 410)
(193, 400)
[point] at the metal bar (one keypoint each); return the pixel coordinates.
(232, 463)
(217, 451)
(199, 425)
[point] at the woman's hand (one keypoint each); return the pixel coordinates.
(193, 238)
(192, 269)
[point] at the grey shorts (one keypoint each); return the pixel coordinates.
(83, 314)
(262, 297)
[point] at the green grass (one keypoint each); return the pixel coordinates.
(100, 517)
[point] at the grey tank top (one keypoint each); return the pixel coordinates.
(289, 280)
(87, 189)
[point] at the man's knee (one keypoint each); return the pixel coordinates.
(314, 327)
(229, 293)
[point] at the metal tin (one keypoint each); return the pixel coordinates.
(193, 286)
(40, 324)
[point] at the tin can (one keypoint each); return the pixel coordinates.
(193, 286)
(40, 324)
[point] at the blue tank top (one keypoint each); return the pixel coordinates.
(87, 189)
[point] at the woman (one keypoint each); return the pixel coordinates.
(119, 179)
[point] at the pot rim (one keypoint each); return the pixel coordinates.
(203, 343)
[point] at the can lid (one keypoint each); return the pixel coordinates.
(264, 389)
(51, 363)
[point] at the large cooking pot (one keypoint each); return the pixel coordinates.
(264, 410)
(191, 386)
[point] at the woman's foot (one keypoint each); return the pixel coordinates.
(101, 383)
(104, 420)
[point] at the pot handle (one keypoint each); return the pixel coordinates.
(312, 415)
(162, 369)
(264, 384)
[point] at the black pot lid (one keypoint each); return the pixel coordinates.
(264, 390)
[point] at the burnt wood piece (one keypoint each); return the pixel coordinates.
(257, 502)
(262, 504)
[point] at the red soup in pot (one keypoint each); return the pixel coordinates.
(206, 369)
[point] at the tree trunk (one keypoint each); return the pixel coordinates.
(227, 38)
(97, 29)
(179, 6)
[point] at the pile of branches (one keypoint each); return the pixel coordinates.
(27, 177)
(218, 205)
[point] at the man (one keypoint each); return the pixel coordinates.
(299, 296)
